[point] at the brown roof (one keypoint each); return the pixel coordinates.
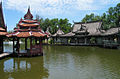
(22, 34)
(68, 34)
(2, 23)
(2, 29)
(29, 21)
(3, 33)
(28, 25)
(38, 34)
(26, 34)
(59, 32)
(111, 31)
(92, 27)
(28, 15)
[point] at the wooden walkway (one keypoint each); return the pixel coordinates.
(3, 55)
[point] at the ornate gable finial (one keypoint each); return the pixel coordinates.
(28, 15)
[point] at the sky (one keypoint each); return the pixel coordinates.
(74, 10)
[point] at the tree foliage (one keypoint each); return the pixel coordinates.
(54, 23)
(110, 19)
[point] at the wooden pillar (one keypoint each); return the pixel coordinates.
(18, 46)
(30, 43)
(25, 43)
(13, 45)
(35, 40)
(47, 40)
(1, 45)
(53, 40)
(76, 40)
(118, 39)
(40, 43)
(67, 40)
(85, 40)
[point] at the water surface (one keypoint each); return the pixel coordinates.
(64, 62)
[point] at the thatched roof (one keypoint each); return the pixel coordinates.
(48, 32)
(111, 31)
(92, 27)
(70, 34)
(58, 33)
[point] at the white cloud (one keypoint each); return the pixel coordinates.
(55, 7)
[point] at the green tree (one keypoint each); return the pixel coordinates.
(91, 17)
(110, 19)
(53, 23)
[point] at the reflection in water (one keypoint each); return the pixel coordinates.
(82, 62)
(63, 62)
(23, 68)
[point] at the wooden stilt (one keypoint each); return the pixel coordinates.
(13, 45)
(85, 40)
(30, 43)
(25, 43)
(40, 43)
(18, 46)
(1, 45)
(47, 40)
(35, 40)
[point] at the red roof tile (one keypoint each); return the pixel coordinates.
(37, 34)
(3, 33)
(26, 34)
(1, 29)
(29, 21)
(29, 25)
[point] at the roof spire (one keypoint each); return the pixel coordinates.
(28, 15)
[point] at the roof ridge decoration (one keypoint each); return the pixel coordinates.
(47, 31)
(20, 20)
(28, 15)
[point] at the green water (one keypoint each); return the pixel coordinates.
(63, 62)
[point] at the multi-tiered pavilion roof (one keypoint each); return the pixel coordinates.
(27, 27)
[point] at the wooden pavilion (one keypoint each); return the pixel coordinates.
(90, 33)
(27, 29)
(81, 33)
(56, 37)
(3, 29)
